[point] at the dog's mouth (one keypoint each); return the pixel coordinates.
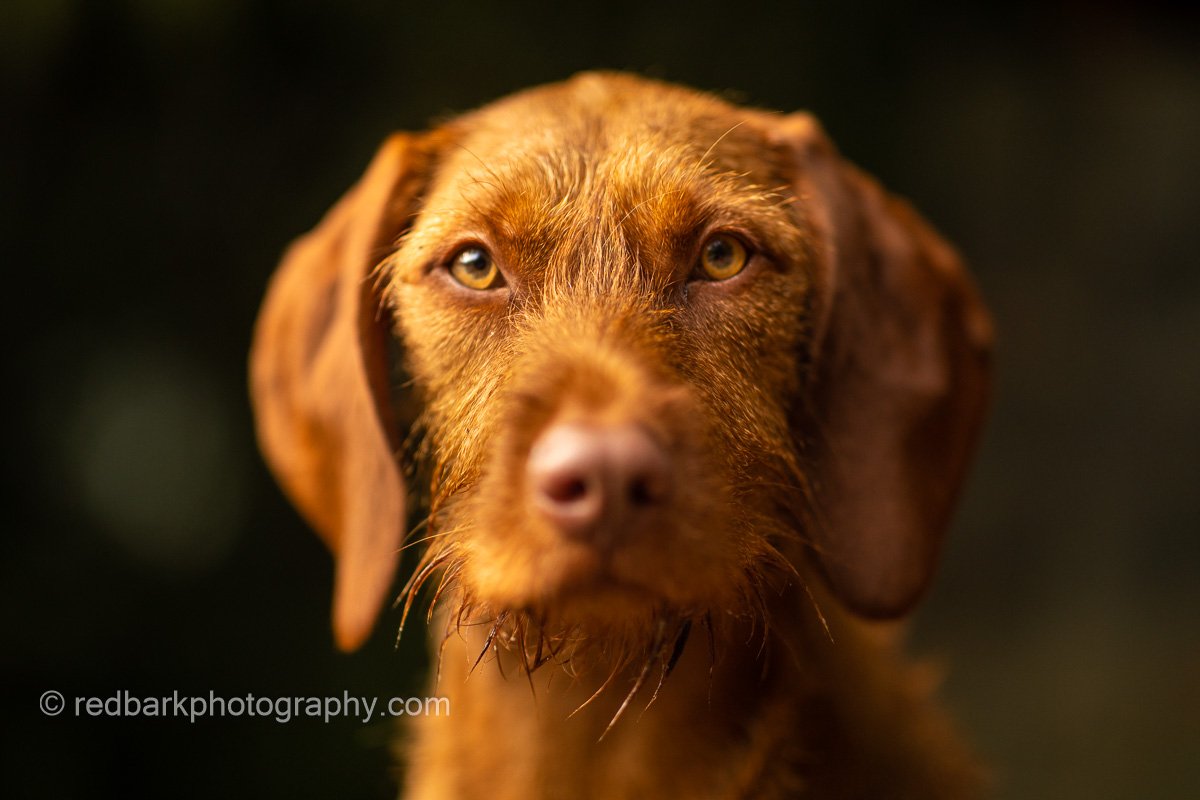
(589, 582)
(578, 583)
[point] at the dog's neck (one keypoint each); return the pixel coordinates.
(809, 712)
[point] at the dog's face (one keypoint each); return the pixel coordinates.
(601, 307)
(665, 350)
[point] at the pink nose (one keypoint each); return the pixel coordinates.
(596, 483)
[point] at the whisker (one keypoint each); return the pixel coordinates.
(700, 164)
(681, 638)
(655, 650)
(410, 590)
(607, 682)
(650, 199)
(437, 677)
(487, 644)
(472, 154)
(712, 653)
(820, 614)
(448, 577)
(524, 662)
(424, 539)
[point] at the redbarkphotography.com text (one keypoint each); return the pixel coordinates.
(196, 707)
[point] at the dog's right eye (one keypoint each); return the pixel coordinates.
(474, 268)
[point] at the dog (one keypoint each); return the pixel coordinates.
(684, 401)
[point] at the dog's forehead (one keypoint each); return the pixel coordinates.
(612, 118)
(602, 152)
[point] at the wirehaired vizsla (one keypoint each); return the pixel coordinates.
(685, 400)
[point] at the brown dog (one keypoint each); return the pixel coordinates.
(676, 368)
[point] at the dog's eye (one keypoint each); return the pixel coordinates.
(474, 268)
(722, 257)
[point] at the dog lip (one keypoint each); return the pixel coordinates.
(588, 572)
(605, 584)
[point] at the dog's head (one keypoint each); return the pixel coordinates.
(658, 351)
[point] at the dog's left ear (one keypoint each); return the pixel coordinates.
(901, 348)
(319, 385)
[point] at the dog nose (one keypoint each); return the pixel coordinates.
(597, 482)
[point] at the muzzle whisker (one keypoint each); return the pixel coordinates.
(449, 578)
(520, 636)
(655, 651)
(681, 639)
(607, 682)
(712, 652)
(491, 638)
(431, 563)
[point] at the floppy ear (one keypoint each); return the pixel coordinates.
(319, 373)
(902, 372)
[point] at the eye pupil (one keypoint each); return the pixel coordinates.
(722, 257)
(473, 267)
(475, 261)
(719, 253)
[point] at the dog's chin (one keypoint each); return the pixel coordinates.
(593, 592)
(580, 586)
(599, 608)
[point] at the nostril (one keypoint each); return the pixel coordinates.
(641, 493)
(641, 466)
(597, 481)
(565, 489)
(647, 490)
(566, 478)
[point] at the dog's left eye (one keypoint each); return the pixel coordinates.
(722, 257)
(474, 268)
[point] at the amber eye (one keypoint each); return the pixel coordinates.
(722, 257)
(474, 268)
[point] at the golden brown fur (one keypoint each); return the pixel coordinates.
(818, 412)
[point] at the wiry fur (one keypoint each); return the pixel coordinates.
(597, 227)
(708, 659)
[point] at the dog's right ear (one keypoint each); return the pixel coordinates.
(319, 384)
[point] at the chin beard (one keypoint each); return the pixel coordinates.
(635, 645)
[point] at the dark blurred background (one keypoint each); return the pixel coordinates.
(157, 157)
